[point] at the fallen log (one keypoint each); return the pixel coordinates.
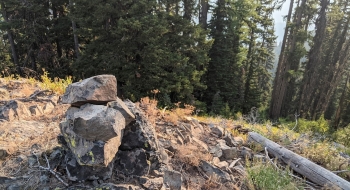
(299, 164)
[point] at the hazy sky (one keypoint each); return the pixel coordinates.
(279, 22)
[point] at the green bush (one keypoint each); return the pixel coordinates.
(342, 136)
(265, 176)
(319, 126)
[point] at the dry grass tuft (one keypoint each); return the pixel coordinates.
(149, 106)
(178, 113)
(190, 156)
(212, 183)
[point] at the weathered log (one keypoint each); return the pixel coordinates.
(299, 164)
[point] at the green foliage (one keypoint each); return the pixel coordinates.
(57, 85)
(320, 126)
(342, 136)
(226, 111)
(265, 176)
(151, 49)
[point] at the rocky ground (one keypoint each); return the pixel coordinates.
(154, 153)
(90, 139)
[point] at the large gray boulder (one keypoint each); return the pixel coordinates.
(93, 133)
(99, 89)
(139, 151)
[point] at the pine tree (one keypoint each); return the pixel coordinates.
(151, 48)
(225, 69)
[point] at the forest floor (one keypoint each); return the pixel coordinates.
(189, 140)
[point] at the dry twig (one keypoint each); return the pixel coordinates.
(49, 169)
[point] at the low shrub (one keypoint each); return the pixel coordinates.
(319, 126)
(265, 176)
(342, 136)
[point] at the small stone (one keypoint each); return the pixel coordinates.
(230, 141)
(216, 160)
(222, 165)
(149, 183)
(95, 183)
(120, 106)
(36, 110)
(217, 130)
(239, 140)
(48, 108)
(211, 170)
(173, 180)
(246, 153)
(44, 179)
(32, 161)
(216, 151)
(230, 153)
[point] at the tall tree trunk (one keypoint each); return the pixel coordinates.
(250, 69)
(11, 40)
(332, 75)
(187, 9)
(341, 104)
(279, 81)
(310, 75)
(203, 13)
(293, 60)
(337, 74)
(76, 41)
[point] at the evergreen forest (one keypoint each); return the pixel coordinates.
(216, 55)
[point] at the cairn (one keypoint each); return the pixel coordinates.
(94, 126)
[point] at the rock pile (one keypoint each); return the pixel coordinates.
(103, 135)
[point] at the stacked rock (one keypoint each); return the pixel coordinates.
(94, 126)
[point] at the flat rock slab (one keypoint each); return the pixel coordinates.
(211, 170)
(99, 89)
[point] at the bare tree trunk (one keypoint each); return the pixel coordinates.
(203, 13)
(11, 40)
(76, 41)
(279, 81)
